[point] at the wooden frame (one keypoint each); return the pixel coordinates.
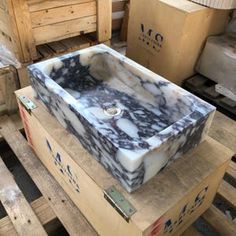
(29, 23)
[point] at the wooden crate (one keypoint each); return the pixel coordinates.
(167, 36)
(9, 82)
(168, 204)
(118, 11)
(27, 23)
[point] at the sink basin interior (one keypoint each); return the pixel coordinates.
(135, 108)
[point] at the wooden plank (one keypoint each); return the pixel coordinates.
(55, 32)
(104, 11)
(18, 209)
(23, 76)
(15, 118)
(191, 231)
(219, 222)
(41, 208)
(231, 171)
(116, 24)
(57, 47)
(223, 130)
(228, 193)
(3, 5)
(118, 6)
(61, 14)
(9, 84)
(124, 28)
(4, 22)
(38, 5)
(75, 43)
(1, 97)
(64, 208)
(24, 26)
(45, 51)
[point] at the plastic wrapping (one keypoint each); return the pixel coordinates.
(7, 57)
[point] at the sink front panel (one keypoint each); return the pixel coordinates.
(131, 120)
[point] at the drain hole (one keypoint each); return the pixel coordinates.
(112, 111)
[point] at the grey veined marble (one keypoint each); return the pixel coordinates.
(131, 120)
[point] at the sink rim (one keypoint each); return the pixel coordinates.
(161, 137)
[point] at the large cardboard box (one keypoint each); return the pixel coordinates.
(167, 36)
(166, 205)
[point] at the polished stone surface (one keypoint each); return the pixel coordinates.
(131, 120)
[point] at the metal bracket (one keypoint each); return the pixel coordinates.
(118, 201)
(27, 103)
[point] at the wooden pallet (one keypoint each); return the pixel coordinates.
(205, 88)
(24, 218)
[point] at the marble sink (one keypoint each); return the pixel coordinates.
(129, 119)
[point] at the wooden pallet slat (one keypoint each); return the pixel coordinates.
(191, 231)
(231, 171)
(228, 193)
(75, 43)
(18, 209)
(218, 221)
(41, 208)
(45, 51)
(57, 47)
(64, 208)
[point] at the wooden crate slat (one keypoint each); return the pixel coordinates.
(38, 5)
(24, 26)
(228, 192)
(41, 208)
(61, 14)
(219, 222)
(104, 11)
(64, 29)
(231, 171)
(75, 43)
(57, 47)
(64, 208)
(18, 209)
(4, 24)
(118, 6)
(45, 51)
(3, 4)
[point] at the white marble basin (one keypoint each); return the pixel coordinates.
(131, 120)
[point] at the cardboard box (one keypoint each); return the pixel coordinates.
(167, 36)
(166, 205)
